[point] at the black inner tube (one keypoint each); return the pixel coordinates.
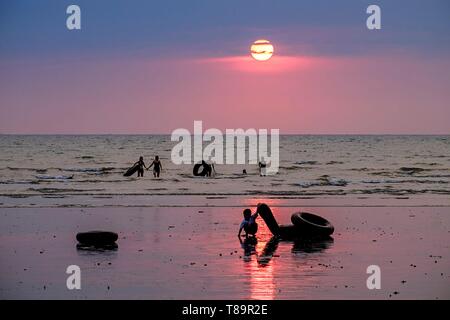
(314, 219)
(267, 215)
(305, 224)
(206, 169)
(311, 224)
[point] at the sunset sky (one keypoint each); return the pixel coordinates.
(154, 66)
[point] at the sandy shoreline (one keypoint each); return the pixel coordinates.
(194, 253)
(215, 200)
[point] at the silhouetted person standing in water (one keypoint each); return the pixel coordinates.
(157, 166)
(141, 165)
(262, 167)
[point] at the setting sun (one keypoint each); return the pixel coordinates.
(261, 50)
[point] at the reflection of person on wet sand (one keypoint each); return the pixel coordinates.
(249, 246)
(249, 224)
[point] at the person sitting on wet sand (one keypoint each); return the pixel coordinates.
(249, 224)
(157, 166)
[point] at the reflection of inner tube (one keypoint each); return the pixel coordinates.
(206, 169)
(289, 232)
(97, 238)
(311, 224)
(97, 248)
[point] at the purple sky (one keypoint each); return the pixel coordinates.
(153, 74)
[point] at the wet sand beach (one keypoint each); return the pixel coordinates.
(194, 253)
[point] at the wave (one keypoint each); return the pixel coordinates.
(323, 181)
(413, 181)
(47, 177)
(309, 162)
(19, 182)
(103, 170)
(412, 170)
(62, 190)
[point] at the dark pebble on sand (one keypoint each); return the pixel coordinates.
(220, 254)
(396, 292)
(192, 263)
(403, 281)
(41, 252)
(205, 265)
(140, 250)
(108, 288)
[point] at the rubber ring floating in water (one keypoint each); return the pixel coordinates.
(206, 169)
(97, 238)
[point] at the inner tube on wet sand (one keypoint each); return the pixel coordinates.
(310, 224)
(97, 238)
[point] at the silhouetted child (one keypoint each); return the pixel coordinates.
(249, 224)
(262, 167)
(157, 166)
(141, 166)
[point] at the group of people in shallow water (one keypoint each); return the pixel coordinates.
(157, 167)
(156, 164)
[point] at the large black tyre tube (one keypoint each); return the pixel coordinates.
(312, 225)
(205, 170)
(267, 215)
(97, 238)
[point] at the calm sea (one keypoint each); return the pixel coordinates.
(310, 166)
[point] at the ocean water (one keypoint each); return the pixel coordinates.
(310, 166)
